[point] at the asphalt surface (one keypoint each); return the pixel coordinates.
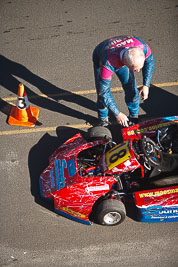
(47, 45)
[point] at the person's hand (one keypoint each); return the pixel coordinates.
(144, 91)
(122, 119)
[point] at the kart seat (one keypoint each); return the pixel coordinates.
(169, 162)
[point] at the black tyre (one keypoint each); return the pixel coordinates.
(99, 132)
(110, 212)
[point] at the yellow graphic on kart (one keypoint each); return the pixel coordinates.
(117, 155)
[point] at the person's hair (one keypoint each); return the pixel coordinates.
(134, 55)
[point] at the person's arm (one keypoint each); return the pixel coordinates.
(147, 72)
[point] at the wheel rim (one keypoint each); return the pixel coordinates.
(112, 218)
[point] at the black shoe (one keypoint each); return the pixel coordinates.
(133, 120)
(104, 122)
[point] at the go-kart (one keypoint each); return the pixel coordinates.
(93, 178)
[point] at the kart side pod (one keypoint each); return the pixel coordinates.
(158, 205)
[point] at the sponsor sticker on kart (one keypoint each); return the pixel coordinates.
(72, 212)
(157, 205)
(117, 155)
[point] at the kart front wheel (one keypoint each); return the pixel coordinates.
(111, 212)
(99, 132)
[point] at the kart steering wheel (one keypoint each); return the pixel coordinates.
(151, 151)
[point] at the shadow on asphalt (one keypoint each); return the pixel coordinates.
(12, 72)
(5, 107)
(159, 104)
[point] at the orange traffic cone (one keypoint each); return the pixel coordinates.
(22, 114)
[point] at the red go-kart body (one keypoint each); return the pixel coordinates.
(92, 175)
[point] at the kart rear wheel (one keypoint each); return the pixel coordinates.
(99, 132)
(111, 212)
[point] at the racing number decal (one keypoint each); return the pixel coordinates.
(117, 155)
(22, 102)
